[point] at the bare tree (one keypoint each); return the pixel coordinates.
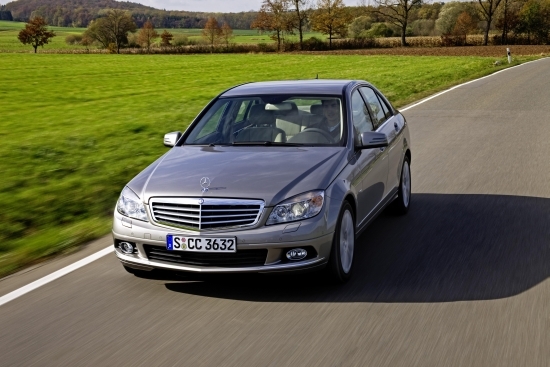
(397, 12)
(487, 11)
(212, 32)
(299, 20)
(35, 33)
(273, 16)
(147, 34)
(330, 18)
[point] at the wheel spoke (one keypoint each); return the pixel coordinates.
(347, 241)
(406, 184)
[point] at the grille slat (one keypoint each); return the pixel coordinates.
(254, 257)
(178, 214)
(206, 214)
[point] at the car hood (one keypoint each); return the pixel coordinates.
(270, 173)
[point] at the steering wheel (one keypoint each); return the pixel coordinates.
(326, 135)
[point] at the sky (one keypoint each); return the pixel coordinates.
(222, 6)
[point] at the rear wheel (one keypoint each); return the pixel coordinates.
(343, 245)
(403, 201)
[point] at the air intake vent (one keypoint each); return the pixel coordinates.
(243, 258)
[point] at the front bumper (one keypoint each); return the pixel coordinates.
(273, 240)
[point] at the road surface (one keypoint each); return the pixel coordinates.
(462, 280)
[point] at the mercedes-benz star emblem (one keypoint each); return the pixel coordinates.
(205, 184)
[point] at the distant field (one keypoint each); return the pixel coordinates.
(10, 43)
(76, 128)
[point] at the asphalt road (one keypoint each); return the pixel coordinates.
(462, 280)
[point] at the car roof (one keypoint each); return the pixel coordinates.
(313, 86)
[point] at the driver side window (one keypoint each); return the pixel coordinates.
(361, 117)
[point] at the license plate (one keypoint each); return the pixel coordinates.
(201, 244)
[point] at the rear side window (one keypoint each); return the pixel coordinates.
(379, 115)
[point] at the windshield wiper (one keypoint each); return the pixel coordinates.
(266, 143)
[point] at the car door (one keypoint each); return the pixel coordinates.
(385, 122)
(373, 163)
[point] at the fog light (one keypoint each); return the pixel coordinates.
(296, 254)
(126, 247)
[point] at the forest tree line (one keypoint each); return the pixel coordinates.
(516, 21)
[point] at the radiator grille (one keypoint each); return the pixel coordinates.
(206, 214)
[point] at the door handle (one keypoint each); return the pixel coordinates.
(396, 126)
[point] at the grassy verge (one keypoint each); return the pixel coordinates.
(76, 128)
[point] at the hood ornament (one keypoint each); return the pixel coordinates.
(205, 184)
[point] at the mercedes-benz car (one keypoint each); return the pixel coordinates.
(269, 177)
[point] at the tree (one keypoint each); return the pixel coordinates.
(165, 38)
(147, 34)
(273, 16)
(487, 9)
(36, 33)
(227, 34)
(397, 12)
(449, 14)
(212, 32)
(464, 25)
(299, 20)
(330, 18)
(359, 25)
(112, 29)
(534, 20)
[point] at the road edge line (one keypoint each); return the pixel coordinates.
(55, 275)
(465, 83)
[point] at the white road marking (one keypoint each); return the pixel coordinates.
(55, 275)
(87, 260)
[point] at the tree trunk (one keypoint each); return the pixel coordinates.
(504, 38)
(35, 47)
(300, 28)
(403, 33)
(486, 33)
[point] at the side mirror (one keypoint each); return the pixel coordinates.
(372, 139)
(172, 138)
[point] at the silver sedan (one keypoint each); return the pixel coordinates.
(269, 177)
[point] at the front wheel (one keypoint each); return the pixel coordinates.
(343, 245)
(403, 201)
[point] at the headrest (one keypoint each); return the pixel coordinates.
(316, 109)
(259, 116)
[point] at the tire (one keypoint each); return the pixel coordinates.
(343, 246)
(403, 201)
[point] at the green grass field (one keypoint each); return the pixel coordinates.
(10, 43)
(76, 128)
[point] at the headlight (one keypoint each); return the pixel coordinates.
(130, 205)
(297, 208)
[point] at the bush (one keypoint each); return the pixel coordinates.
(73, 39)
(180, 40)
(377, 30)
(315, 44)
(359, 25)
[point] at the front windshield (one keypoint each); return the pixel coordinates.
(271, 120)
